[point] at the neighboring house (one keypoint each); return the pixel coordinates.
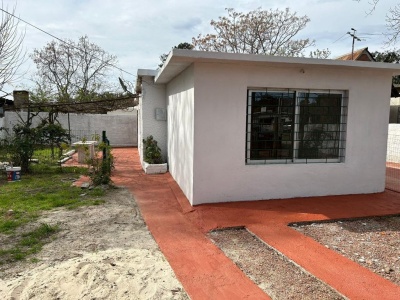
(359, 55)
(249, 127)
(364, 55)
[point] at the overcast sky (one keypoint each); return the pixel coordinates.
(138, 32)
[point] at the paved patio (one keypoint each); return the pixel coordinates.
(206, 273)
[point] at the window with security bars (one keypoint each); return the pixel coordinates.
(295, 126)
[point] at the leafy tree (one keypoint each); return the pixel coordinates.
(21, 144)
(12, 54)
(389, 56)
(24, 139)
(270, 32)
(52, 134)
(184, 45)
(69, 70)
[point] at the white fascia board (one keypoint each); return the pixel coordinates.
(180, 59)
(147, 72)
(143, 73)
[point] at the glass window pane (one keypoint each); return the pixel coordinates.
(319, 125)
(271, 117)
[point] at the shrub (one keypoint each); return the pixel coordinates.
(152, 153)
(100, 166)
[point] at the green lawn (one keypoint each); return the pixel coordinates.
(45, 189)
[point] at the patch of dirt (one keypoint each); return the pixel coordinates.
(101, 252)
(272, 272)
(374, 243)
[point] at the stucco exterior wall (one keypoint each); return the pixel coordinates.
(139, 109)
(180, 93)
(121, 128)
(153, 97)
(219, 170)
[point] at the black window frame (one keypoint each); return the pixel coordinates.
(295, 126)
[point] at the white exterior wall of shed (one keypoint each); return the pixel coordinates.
(153, 96)
(180, 93)
(219, 170)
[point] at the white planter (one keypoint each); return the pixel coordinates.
(155, 168)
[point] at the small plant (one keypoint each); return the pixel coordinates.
(100, 166)
(54, 136)
(152, 153)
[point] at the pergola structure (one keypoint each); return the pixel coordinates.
(89, 107)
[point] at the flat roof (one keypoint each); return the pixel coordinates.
(179, 59)
(147, 72)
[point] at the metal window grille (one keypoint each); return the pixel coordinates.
(295, 126)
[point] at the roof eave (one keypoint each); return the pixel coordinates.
(179, 59)
(143, 73)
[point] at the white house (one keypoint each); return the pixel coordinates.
(249, 127)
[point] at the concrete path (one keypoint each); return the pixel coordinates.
(206, 273)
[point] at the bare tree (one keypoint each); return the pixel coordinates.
(393, 24)
(392, 20)
(321, 54)
(259, 31)
(69, 70)
(372, 6)
(12, 54)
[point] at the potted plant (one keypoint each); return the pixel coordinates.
(153, 160)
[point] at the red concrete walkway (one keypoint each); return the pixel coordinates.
(206, 273)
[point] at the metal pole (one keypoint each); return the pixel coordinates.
(104, 139)
(69, 129)
(353, 35)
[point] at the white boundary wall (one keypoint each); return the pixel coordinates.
(393, 147)
(121, 126)
(394, 110)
